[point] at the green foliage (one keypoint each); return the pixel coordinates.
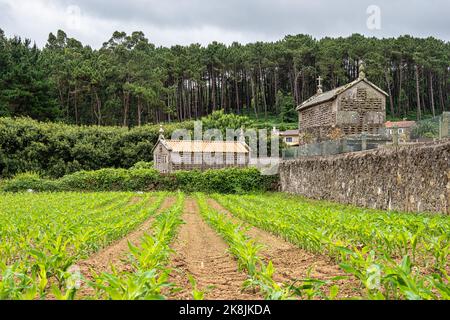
(232, 180)
(287, 108)
(130, 82)
(143, 165)
(148, 275)
(221, 120)
(394, 255)
(426, 129)
(43, 235)
(245, 250)
(54, 149)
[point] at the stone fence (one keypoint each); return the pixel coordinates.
(414, 178)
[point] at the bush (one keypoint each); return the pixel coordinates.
(143, 165)
(54, 149)
(211, 181)
(426, 129)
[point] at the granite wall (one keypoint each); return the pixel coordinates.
(413, 178)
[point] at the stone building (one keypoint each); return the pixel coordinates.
(357, 107)
(290, 137)
(404, 129)
(172, 155)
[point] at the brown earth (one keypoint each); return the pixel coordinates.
(291, 262)
(200, 252)
(116, 254)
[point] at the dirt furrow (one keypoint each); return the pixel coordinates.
(291, 262)
(116, 253)
(199, 251)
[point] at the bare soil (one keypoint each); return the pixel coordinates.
(291, 262)
(116, 254)
(200, 252)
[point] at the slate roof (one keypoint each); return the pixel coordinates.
(332, 94)
(205, 146)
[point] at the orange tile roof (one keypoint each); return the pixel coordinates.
(289, 133)
(399, 124)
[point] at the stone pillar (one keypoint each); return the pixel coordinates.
(445, 125)
(363, 141)
(395, 136)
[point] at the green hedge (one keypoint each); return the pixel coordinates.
(54, 149)
(210, 181)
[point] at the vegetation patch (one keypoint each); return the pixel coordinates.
(222, 181)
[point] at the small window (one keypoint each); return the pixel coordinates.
(289, 139)
(400, 131)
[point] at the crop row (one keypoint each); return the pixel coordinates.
(43, 235)
(260, 272)
(149, 273)
(395, 255)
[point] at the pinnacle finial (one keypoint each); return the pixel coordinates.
(362, 70)
(241, 135)
(161, 131)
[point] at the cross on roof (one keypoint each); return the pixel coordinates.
(320, 80)
(319, 86)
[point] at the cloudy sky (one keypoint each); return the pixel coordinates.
(169, 22)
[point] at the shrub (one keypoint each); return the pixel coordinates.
(143, 165)
(26, 181)
(55, 149)
(211, 181)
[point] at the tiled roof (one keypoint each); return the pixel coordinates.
(289, 133)
(332, 94)
(400, 124)
(205, 146)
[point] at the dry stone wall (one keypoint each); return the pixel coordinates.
(414, 178)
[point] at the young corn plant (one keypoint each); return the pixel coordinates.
(246, 252)
(368, 243)
(149, 275)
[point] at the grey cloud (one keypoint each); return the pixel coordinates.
(263, 19)
(276, 18)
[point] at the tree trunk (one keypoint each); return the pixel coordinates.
(76, 107)
(126, 107)
(441, 97)
(254, 98)
(400, 107)
(214, 89)
(419, 115)
(432, 95)
(236, 88)
(139, 111)
(263, 91)
(98, 111)
(391, 99)
(275, 88)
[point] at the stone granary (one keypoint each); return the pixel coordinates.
(172, 155)
(357, 107)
